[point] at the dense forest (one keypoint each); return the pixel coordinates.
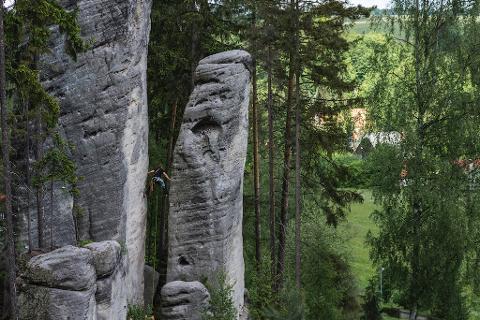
(360, 186)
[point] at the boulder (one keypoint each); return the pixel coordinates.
(184, 300)
(68, 268)
(106, 256)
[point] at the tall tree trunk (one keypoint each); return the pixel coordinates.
(287, 155)
(27, 172)
(256, 158)
(50, 218)
(271, 164)
(162, 249)
(194, 46)
(11, 261)
(293, 65)
(298, 190)
(39, 191)
(171, 142)
(39, 155)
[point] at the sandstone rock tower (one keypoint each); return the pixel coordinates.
(206, 195)
(104, 115)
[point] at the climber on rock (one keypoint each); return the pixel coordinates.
(158, 177)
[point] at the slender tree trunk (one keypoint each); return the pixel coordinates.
(271, 164)
(256, 158)
(50, 222)
(416, 202)
(11, 261)
(194, 47)
(298, 188)
(287, 155)
(40, 192)
(288, 148)
(39, 155)
(162, 252)
(171, 143)
(27, 172)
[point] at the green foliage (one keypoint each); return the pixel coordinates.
(371, 304)
(260, 293)
(221, 306)
(29, 25)
(83, 243)
(357, 177)
(423, 86)
(290, 307)
(328, 286)
(136, 312)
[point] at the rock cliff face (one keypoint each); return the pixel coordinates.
(206, 195)
(104, 115)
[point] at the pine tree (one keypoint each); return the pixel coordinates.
(7, 176)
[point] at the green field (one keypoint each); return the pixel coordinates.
(357, 227)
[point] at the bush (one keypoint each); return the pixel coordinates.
(291, 307)
(136, 312)
(371, 305)
(357, 176)
(221, 306)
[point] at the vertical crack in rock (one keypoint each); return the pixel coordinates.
(206, 195)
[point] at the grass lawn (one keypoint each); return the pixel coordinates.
(357, 227)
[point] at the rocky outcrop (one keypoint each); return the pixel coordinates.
(184, 300)
(75, 283)
(104, 115)
(206, 195)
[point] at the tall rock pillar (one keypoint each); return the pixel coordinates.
(206, 194)
(103, 97)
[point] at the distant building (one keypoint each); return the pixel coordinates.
(362, 142)
(371, 140)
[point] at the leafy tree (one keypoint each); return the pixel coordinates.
(423, 88)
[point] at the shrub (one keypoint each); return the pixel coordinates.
(221, 306)
(371, 305)
(136, 312)
(356, 176)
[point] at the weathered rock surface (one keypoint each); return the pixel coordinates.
(104, 115)
(75, 283)
(151, 283)
(43, 303)
(106, 256)
(184, 300)
(109, 296)
(68, 268)
(206, 195)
